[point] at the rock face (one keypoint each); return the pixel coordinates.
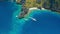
(48, 4)
(39, 7)
(38, 1)
(20, 2)
(24, 11)
(52, 5)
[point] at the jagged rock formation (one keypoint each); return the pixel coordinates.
(47, 4)
(52, 5)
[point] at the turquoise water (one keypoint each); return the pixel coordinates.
(48, 22)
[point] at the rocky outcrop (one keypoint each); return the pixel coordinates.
(24, 11)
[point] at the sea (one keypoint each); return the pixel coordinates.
(36, 22)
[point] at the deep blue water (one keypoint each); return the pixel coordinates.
(47, 22)
(6, 11)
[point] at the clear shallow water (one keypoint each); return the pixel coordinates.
(47, 22)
